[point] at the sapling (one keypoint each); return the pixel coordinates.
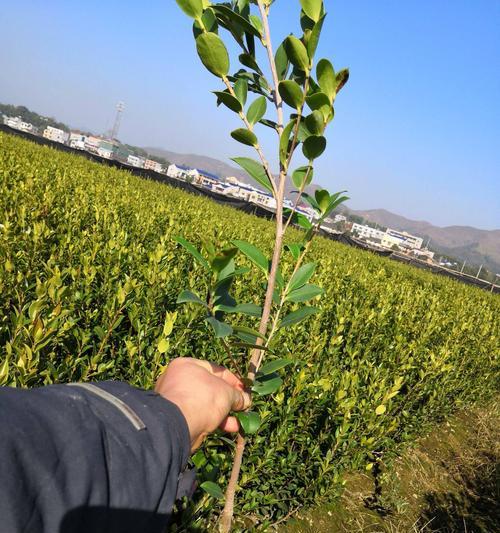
(288, 77)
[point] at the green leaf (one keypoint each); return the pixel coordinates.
(222, 259)
(213, 53)
(256, 22)
(247, 334)
(257, 110)
(228, 100)
(381, 409)
(297, 316)
(281, 61)
(192, 8)
(269, 123)
(231, 16)
(248, 61)
(256, 171)
(250, 421)
(320, 102)
(285, 141)
(313, 39)
(193, 251)
(254, 254)
(315, 122)
(221, 329)
(291, 93)
(305, 293)
(267, 384)
(311, 201)
(297, 53)
(241, 91)
(245, 136)
(312, 8)
(341, 78)
(302, 276)
(314, 146)
(188, 297)
(273, 366)
(213, 489)
(299, 219)
(163, 345)
(245, 309)
(323, 198)
(252, 346)
(295, 249)
(335, 200)
(302, 176)
(326, 78)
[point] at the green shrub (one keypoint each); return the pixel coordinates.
(89, 276)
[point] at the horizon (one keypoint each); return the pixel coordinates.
(412, 107)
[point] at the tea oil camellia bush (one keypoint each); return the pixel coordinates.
(90, 272)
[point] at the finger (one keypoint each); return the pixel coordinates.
(220, 372)
(230, 424)
(241, 400)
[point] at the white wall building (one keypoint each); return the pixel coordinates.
(367, 232)
(77, 140)
(92, 143)
(136, 161)
(151, 164)
(17, 123)
(407, 240)
(55, 134)
(340, 218)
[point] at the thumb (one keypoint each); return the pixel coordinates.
(241, 400)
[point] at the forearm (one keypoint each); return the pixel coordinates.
(70, 455)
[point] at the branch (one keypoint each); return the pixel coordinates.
(257, 147)
(270, 54)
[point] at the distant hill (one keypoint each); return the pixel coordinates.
(463, 242)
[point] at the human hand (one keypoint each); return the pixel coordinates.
(205, 393)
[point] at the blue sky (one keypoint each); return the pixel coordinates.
(417, 129)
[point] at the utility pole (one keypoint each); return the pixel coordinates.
(116, 126)
(494, 282)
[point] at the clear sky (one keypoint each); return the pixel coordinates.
(417, 128)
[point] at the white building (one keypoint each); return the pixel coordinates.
(151, 164)
(136, 161)
(17, 123)
(77, 140)
(339, 218)
(388, 241)
(55, 134)
(92, 143)
(422, 254)
(107, 149)
(173, 171)
(367, 232)
(407, 240)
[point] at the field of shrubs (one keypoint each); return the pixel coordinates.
(89, 277)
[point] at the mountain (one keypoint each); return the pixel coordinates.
(463, 242)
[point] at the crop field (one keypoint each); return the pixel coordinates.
(89, 277)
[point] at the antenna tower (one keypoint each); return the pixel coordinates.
(120, 106)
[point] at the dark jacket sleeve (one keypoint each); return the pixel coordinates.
(77, 460)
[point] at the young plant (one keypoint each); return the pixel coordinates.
(290, 78)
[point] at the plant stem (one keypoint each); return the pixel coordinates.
(263, 159)
(256, 357)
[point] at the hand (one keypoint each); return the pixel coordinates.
(205, 393)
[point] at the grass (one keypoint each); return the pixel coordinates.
(449, 482)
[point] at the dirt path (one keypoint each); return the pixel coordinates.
(449, 483)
